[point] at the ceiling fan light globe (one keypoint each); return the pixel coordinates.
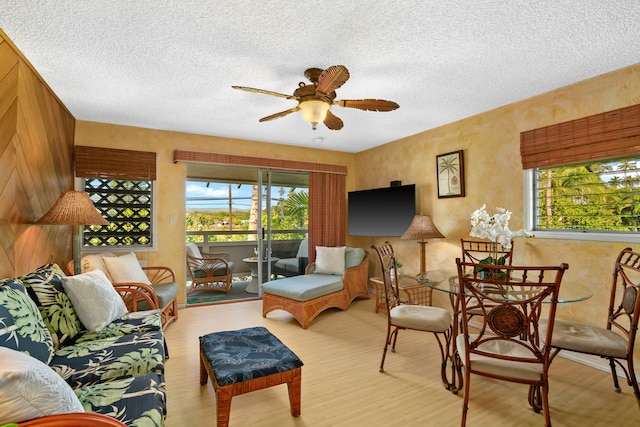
(314, 111)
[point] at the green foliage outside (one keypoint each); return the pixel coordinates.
(289, 212)
(602, 196)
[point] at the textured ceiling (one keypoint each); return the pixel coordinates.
(171, 64)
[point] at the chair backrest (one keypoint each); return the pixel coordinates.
(477, 251)
(303, 249)
(485, 252)
(624, 301)
(387, 258)
(516, 295)
(193, 251)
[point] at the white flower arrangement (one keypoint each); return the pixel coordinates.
(494, 227)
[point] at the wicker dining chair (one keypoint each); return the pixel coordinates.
(615, 341)
(508, 345)
(483, 252)
(400, 315)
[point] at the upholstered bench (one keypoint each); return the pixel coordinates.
(247, 360)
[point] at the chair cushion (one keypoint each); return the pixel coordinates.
(21, 325)
(94, 298)
(290, 264)
(44, 286)
(166, 292)
(514, 369)
(108, 359)
(330, 260)
(305, 287)
(132, 323)
(31, 389)
(353, 257)
(303, 249)
(219, 269)
(421, 317)
(586, 338)
(192, 250)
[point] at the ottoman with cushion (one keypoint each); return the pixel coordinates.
(247, 360)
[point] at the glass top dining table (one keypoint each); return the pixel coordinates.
(569, 291)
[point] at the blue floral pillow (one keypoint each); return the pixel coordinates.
(45, 288)
(21, 325)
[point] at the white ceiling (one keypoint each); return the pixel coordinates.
(171, 64)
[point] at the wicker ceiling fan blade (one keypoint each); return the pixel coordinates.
(265, 92)
(367, 104)
(332, 121)
(331, 79)
(280, 114)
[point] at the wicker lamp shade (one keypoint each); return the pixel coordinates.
(422, 227)
(73, 208)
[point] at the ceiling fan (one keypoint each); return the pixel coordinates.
(315, 99)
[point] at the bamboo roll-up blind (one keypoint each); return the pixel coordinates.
(96, 162)
(261, 162)
(601, 136)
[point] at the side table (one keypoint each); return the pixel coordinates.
(252, 288)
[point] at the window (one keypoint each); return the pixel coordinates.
(219, 212)
(119, 183)
(582, 179)
(601, 197)
(127, 205)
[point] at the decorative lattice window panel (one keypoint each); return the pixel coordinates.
(127, 205)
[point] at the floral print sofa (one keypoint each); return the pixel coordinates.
(117, 370)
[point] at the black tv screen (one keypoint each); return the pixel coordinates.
(381, 211)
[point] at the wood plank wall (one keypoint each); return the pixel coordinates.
(36, 149)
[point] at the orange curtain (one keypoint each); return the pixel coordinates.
(327, 194)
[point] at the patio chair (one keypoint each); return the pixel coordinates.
(208, 271)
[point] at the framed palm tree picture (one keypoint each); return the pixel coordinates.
(450, 170)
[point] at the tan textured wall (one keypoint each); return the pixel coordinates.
(171, 176)
(494, 176)
(36, 143)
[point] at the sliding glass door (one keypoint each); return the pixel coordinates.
(283, 214)
(248, 212)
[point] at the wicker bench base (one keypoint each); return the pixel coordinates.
(224, 393)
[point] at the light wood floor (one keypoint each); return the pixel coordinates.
(341, 384)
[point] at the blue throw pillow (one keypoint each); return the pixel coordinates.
(21, 325)
(353, 257)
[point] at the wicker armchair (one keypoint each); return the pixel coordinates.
(160, 293)
(208, 271)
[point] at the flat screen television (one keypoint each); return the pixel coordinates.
(381, 211)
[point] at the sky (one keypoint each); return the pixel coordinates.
(217, 196)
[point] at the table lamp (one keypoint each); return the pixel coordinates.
(74, 208)
(422, 228)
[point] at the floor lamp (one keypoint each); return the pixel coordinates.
(74, 208)
(421, 228)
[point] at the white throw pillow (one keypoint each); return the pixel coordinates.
(330, 260)
(94, 298)
(31, 389)
(126, 269)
